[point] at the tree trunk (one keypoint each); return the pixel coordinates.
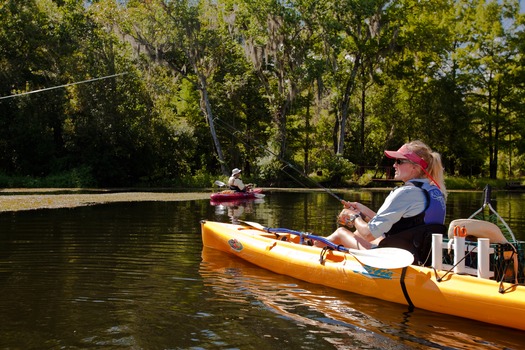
(206, 109)
(496, 131)
(345, 106)
(306, 168)
(363, 114)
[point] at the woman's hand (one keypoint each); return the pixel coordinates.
(352, 205)
(359, 208)
(349, 210)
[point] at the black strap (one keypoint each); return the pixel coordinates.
(405, 291)
(323, 253)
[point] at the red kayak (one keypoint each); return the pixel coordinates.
(230, 195)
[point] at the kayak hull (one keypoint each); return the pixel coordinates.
(229, 195)
(459, 295)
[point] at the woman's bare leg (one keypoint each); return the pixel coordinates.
(345, 237)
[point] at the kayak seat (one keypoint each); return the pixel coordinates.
(478, 229)
(417, 240)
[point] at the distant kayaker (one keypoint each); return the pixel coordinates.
(409, 212)
(236, 183)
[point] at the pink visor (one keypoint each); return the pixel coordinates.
(405, 153)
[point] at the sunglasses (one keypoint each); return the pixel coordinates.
(401, 161)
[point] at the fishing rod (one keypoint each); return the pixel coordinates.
(233, 131)
(61, 86)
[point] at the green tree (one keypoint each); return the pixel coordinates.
(175, 34)
(273, 37)
(353, 36)
(30, 56)
(320, 84)
(486, 57)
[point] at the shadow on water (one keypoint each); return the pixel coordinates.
(135, 276)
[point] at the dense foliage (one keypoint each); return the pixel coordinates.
(158, 92)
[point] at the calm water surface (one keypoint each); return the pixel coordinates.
(135, 276)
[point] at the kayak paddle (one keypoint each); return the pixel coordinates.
(382, 258)
(220, 183)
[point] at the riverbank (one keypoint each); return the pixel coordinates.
(31, 199)
(18, 199)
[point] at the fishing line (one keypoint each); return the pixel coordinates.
(62, 86)
(283, 169)
(287, 163)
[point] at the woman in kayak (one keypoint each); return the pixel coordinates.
(418, 204)
(236, 183)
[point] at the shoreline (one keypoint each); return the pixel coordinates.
(20, 202)
(21, 199)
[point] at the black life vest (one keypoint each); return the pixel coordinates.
(415, 233)
(434, 212)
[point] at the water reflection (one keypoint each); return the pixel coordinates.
(344, 320)
(135, 276)
(235, 209)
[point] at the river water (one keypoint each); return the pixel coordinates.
(135, 276)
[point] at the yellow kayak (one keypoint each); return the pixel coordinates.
(420, 287)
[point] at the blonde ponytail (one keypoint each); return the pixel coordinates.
(434, 171)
